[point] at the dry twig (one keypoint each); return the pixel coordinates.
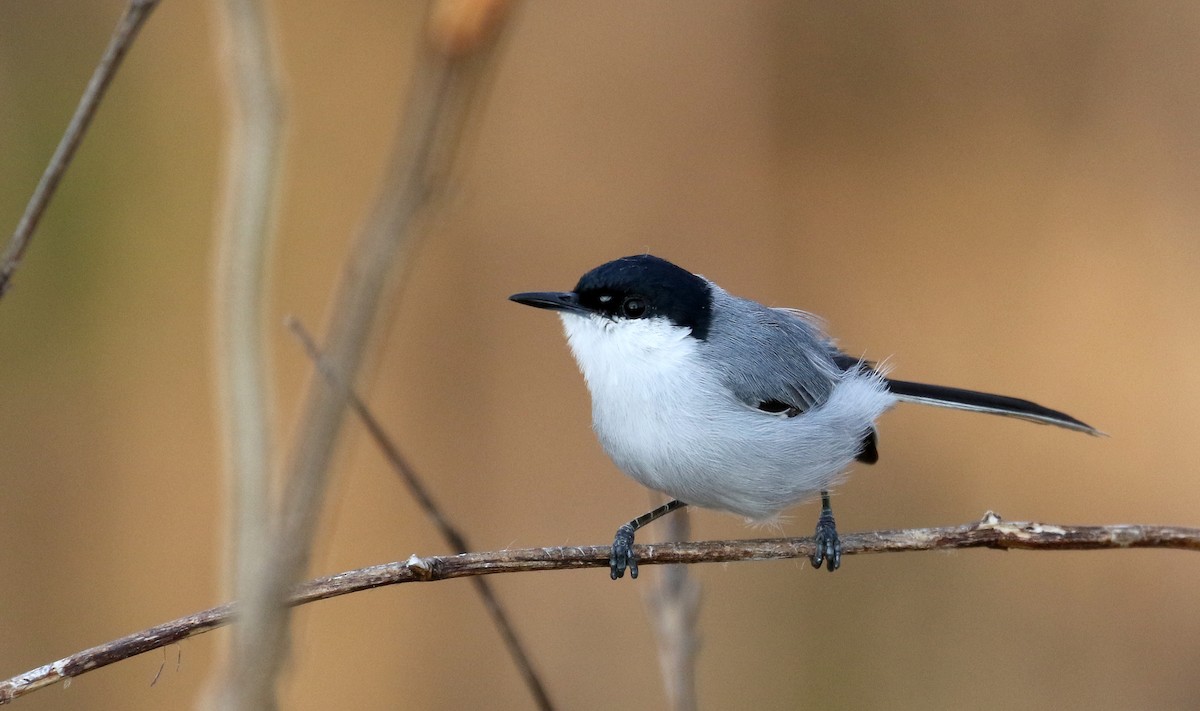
(991, 532)
(449, 532)
(135, 16)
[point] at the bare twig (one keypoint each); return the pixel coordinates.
(252, 176)
(123, 36)
(673, 604)
(449, 532)
(447, 79)
(991, 532)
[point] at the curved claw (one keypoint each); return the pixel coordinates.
(622, 554)
(829, 545)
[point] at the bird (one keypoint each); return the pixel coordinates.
(721, 402)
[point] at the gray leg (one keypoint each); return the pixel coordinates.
(622, 549)
(829, 546)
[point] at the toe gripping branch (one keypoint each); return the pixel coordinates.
(828, 545)
(622, 556)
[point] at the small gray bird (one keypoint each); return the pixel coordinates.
(723, 403)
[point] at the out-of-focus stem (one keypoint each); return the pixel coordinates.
(244, 245)
(446, 82)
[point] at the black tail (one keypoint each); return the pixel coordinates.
(973, 401)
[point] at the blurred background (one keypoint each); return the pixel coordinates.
(999, 196)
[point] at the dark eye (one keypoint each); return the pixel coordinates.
(633, 307)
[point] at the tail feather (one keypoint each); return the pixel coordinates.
(974, 401)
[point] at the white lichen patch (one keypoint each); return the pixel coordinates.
(416, 562)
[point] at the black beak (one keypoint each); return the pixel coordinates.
(567, 301)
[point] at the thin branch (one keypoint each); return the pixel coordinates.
(447, 80)
(123, 36)
(991, 532)
(449, 532)
(254, 158)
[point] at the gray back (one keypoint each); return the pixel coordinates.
(780, 355)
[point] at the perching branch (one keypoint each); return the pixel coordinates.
(991, 532)
(127, 29)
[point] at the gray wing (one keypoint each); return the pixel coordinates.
(776, 360)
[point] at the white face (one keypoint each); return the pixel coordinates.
(608, 349)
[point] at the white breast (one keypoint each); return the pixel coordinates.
(666, 420)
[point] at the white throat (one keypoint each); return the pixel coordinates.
(613, 355)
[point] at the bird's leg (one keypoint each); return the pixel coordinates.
(829, 546)
(622, 548)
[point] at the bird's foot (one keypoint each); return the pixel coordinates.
(829, 546)
(622, 554)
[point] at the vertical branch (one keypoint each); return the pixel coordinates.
(447, 80)
(127, 29)
(673, 604)
(250, 202)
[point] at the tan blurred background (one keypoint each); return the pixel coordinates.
(1000, 196)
